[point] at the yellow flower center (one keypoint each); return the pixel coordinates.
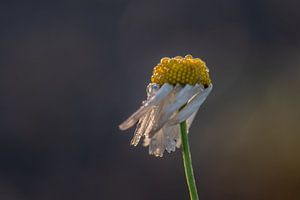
(187, 70)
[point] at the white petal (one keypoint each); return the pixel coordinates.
(181, 98)
(146, 141)
(172, 137)
(166, 138)
(152, 101)
(191, 107)
(159, 109)
(140, 129)
(157, 144)
(154, 116)
(160, 95)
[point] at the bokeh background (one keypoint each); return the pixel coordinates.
(71, 71)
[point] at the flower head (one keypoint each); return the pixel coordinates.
(179, 70)
(178, 88)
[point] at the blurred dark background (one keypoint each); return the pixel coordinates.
(71, 71)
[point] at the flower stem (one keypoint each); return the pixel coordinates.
(187, 160)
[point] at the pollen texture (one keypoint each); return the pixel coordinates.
(182, 70)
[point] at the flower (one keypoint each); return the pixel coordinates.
(178, 88)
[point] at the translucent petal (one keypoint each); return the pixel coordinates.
(146, 141)
(151, 101)
(140, 129)
(167, 138)
(160, 109)
(159, 95)
(191, 107)
(181, 98)
(157, 144)
(172, 137)
(154, 116)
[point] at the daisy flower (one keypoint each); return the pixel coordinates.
(178, 88)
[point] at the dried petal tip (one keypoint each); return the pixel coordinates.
(187, 70)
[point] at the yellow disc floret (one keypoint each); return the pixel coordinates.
(187, 70)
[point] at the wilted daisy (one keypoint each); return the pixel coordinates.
(178, 87)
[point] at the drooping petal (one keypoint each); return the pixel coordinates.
(152, 117)
(152, 101)
(160, 95)
(167, 138)
(146, 141)
(157, 144)
(191, 107)
(172, 138)
(140, 129)
(181, 98)
(159, 110)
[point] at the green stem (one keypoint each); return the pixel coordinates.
(187, 160)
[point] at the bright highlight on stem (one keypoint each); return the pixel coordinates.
(187, 161)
